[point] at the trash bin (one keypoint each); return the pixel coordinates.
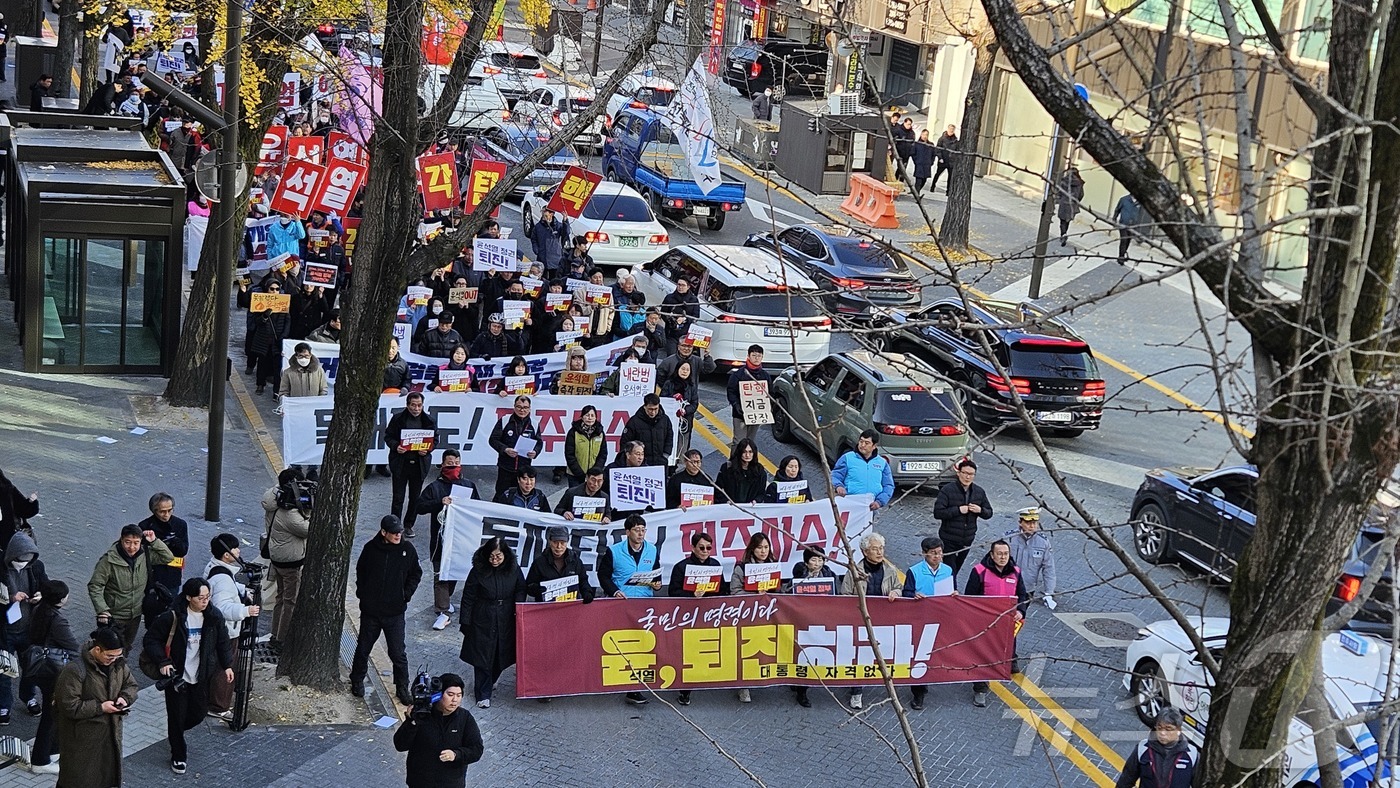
(33, 56)
(756, 142)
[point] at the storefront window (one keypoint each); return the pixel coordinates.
(62, 317)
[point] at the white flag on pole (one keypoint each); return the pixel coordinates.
(690, 118)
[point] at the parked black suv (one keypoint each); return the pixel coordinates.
(855, 272)
(1051, 367)
(783, 64)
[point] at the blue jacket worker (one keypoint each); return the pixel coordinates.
(865, 471)
(617, 564)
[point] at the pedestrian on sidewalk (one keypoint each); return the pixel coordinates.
(960, 503)
(4, 46)
(444, 742)
(231, 599)
(40, 91)
(1070, 194)
(191, 644)
(925, 154)
(22, 576)
(762, 105)
(408, 465)
(489, 595)
(1128, 214)
(386, 575)
(1163, 760)
(90, 697)
(904, 146)
(436, 497)
(288, 506)
(175, 532)
(947, 145)
(120, 578)
(49, 630)
(265, 344)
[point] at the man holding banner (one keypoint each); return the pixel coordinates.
(631, 569)
(699, 575)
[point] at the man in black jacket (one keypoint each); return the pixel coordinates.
(386, 575)
(558, 561)
(407, 465)
(524, 494)
(653, 429)
(958, 506)
(438, 341)
(692, 472)
(702, 553)
(751, 370)
(436, 497)
(594, 486)
(443, 743)
(195, 625)
(175, 532)
(504, 438)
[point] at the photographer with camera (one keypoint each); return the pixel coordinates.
(231, 599)
(386, 575)
(190, 644)
(288, 507)
(440, 737)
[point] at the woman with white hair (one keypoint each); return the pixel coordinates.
(878, 576)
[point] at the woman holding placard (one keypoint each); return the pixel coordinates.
(788, 485)
(455, 375)
(756, 572)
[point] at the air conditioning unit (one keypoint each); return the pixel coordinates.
(843, 103)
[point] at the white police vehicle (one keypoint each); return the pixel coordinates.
(1162, 669)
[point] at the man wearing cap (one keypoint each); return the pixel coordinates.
(617, 565)
(386, 575)
(1033, 553)
(928, 578)
(524, 494)
(436, 497)
(437, 342)
(556, 562)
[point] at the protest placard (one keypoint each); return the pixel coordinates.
(589, 509)
(562, 589)
(577, 382)
(754, 402)
(574, 285)
(704, 579)
(533, 285)
(493, 254)
(636, 380)
(699, 337)
(273, 302)
(637, 488)
(644, 578)
(567, 339)
(556, 302)
(455, 379)
(763, 577)
(696, 495)
(519, 384)
(321, 275)
(416, 440)
(814, 585)
(792, 492)
(419, 296)
(513, 313)
(462, 296)
(598, 295)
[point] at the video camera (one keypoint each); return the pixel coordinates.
(426, 691)
(300, 494)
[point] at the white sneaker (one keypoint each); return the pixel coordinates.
(451, 608)
(744, 696)
(48, 768)
(484, 704)
(441, 622)
(857, 701)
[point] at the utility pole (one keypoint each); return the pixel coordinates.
(601, 8)
(1059, 153)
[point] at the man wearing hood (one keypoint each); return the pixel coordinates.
(119, 580)
(436, 497)
(386, 575)
(1164, 759)
(998, 575)
(22, 575)
(653, 429)
(284, 236)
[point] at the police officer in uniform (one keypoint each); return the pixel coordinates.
(1033, 553)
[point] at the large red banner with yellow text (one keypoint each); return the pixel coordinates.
(625, 645)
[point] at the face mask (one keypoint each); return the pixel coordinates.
(437, 310)
(303, 362)
(285, 221)
(18, 565)
(452, 474)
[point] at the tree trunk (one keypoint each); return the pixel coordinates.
(93, 27)
(312, 655)
(695, 37)
(25, 19)
(69, 29)
(957, 214)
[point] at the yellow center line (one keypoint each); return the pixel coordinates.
(724, 430)
(1052, 736)
(1075, 726)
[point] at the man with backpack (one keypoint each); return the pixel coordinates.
(121, 577)
(232, 600)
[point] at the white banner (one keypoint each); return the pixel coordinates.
(689, 116)
(464, 420)
(544, 366)
(788, 526)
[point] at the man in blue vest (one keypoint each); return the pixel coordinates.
(929, 577)
(618, 564)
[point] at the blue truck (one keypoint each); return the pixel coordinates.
(642, 152)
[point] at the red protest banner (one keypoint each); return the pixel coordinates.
(306, 148)
(273, 150)
(437, 182)
(482, 178)
(298, 185)
(290, 95)
(337, 191)
(574, 191)
(625, 645)
(352, 233)
(343, 147)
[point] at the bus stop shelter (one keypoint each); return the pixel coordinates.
(95, 220)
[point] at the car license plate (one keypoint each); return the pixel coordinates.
(1063, 417)
(777, 332)
(920, 467)
(702, 210)
(628, 240)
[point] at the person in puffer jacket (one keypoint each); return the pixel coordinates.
(1164, 759)
(524, 494)
(653, 429)
(585, 445)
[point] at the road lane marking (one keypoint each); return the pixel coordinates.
(1055, 276)
(728, 433)
(1076, 463)
(1052, 736)
(1076, 727)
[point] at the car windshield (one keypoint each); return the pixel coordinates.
(1072, 362)
(769, 303)
(617, 208)
(656, 97)
(521, 62)
(864, 254)
(915, 406)
(526, 145)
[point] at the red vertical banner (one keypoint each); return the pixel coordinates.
(345, 148)
(306, 148)
(337, 190)
(573, 192)
(273, 149)
(352, 234)
(298, 185)
(481, 180)
(717, 37)
(437, 182)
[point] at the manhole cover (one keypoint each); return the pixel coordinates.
(1113, 628)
